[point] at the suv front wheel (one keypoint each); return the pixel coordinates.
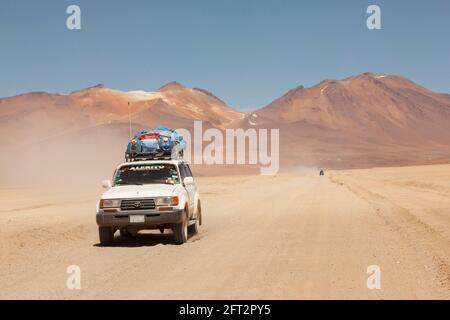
(106, 236)
(180, 230)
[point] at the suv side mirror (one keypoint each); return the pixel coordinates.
(188, 180)
(106, 184)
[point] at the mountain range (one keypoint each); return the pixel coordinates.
(365, 120)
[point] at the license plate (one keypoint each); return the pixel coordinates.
(137, 219)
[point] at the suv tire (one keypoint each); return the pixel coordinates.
(194, 228)
(180, 230)
(106, 236)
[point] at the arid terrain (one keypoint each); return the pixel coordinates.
(383, 140)
(296, 235)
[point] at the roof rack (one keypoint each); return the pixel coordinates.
(145, 157)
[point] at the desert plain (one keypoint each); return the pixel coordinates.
(296, 235)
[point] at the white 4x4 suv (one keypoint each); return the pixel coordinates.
(155, 194)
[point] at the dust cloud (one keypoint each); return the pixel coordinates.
(75, 161)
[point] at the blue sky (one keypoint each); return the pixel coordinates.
(247, 52)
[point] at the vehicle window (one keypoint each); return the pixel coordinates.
(189, 172)
(146, 174)
(182, 171)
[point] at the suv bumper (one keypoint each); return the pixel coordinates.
(152, 218)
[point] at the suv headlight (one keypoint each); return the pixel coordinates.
(167, 201)
(109, 203)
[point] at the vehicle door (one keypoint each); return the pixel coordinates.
(190, 188)
(194, 189)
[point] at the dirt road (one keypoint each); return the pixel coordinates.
(294, 236)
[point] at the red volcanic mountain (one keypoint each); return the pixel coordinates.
(61, 138)
(370, 119)
(365, 120)
(40, 115)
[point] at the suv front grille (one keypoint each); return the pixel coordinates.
(137, 204)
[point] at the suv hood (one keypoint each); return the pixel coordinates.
(136, 191)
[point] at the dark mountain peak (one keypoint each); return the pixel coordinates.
(97, 86)
(173, 85)
(208, 94)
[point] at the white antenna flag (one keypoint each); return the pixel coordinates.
(129, 117)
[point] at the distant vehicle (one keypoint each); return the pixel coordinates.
(154, 194)
(321, 173)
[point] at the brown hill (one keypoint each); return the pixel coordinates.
(365, 120)
(361, 121)
(40, 115)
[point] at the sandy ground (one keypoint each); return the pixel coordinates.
(293, 236)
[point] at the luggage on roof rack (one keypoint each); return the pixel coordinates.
(155, 144)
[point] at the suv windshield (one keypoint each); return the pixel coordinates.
(146, 174)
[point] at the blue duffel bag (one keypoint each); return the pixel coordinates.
(160, 142)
